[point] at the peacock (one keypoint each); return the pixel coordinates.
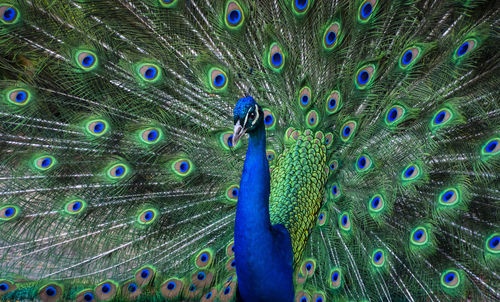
(236, 150)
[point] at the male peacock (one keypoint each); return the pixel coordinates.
(372, 168)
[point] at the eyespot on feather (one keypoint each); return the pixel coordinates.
(8, 212)
(330, 37)
(328, 140)
(75, 206)
(226, 140)
(6, 286)
(312, 119)
(465, 48)
(363, 163)
(204, 258)
(182, 167)
(364, 76)
(376, 203)
(269, 119)
(232, 193)
(411, 172)
(106, 290)
(333, 166)
(394, 115)
(117, 171)
(318, 297)
(366, 10)
(171, 288)
(345, 222)
(228, 290)
(144, 275)
(151, 135)
(333, 102)
(218, 79)
(493, 244)
(51, 292)
(86, 295)
(97, 127)
(409, 57)
(419, 236)
(322, 216)
(86, 60)
(450, 279)
(231, 264)
(44, 162)
(347, 131)
(336, 277)
(210, 296)
(449, 197)
(304, 98)
(303, 296)
(276, 57)
(300, 7)
(130, 290)
(19, 96)
(378, 258)
(490, 148)
(441, 118)
(148, 216)
(308, 267)
(335, 191)
(149, 72)
(9, 14)
(234, 15)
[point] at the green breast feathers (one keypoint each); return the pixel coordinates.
(297, 185)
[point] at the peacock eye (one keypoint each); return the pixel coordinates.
(251, 115)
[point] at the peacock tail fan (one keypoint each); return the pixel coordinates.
(119, 177)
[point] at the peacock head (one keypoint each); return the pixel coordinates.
(248, 116)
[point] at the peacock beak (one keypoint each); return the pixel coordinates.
(238, 133)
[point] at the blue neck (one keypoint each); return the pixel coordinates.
(255, 186)
(263, 252)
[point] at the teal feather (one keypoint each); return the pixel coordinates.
(117, 164)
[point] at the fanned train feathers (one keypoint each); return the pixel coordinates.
(119, 179)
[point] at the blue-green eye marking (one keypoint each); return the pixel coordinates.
(97, 127)
(330, 37)
(411, 172)
(147, 216)
(394, 115)
(493, 244)
(218, 79)
(234, 16)
(275, 57)
(450, 279)
(363, 163)
(44, 163)
(8, 14)
(8, 212)
(465, 48)
(335, 191)
(378, 258)
(376, 204)
(366, 10)
(364, 76)
(491, 148)
(75, 206)
(18, 97)
(86, 60)
(149, 72)
(347, 131)
(132, 287)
